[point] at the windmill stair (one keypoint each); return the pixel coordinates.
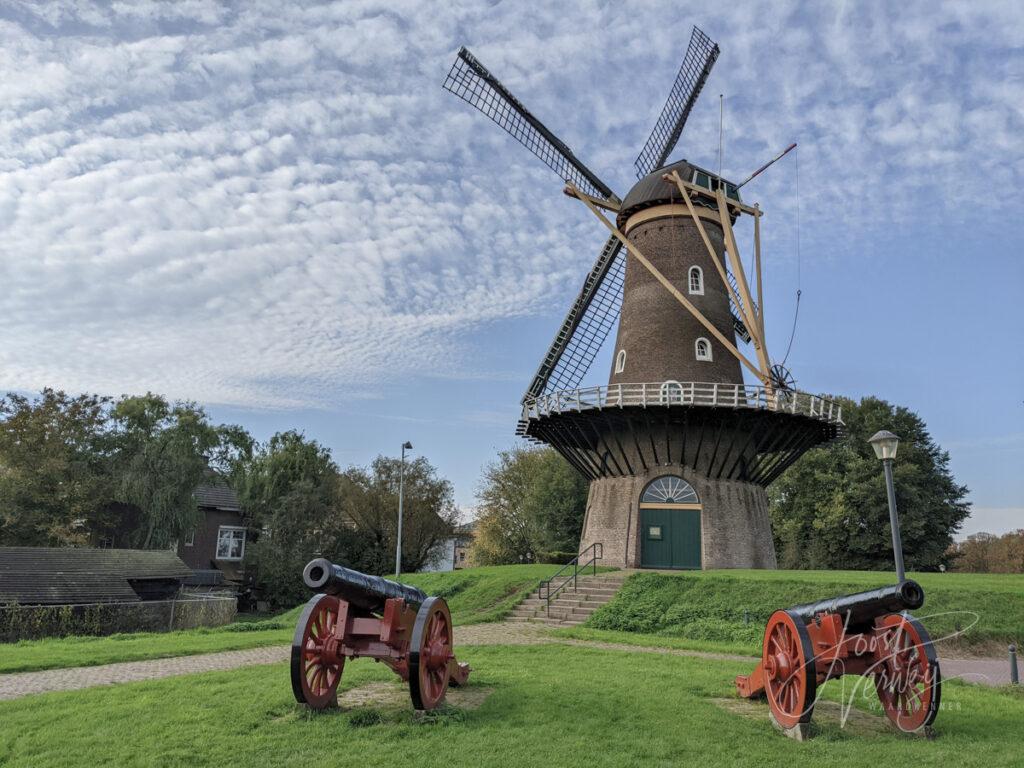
(570, 607)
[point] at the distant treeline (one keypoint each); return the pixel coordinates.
(988, 553)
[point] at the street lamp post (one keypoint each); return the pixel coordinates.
(406, 446)
(885, 444)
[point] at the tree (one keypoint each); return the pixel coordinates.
(162, 452)
(428, 515)
(829, 510)
(987, 553)
(531, 503)
(290, 487)
(54, 473)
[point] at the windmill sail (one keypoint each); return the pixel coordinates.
(587, 325)
(473, 83)
(700, 57)
(697, 63)
(596, 309)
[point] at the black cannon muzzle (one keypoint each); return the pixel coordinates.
(360, 589)
(861, 609)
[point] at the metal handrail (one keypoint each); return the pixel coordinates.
(596, 553)
(719, 395)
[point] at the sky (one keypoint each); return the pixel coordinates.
(274, 209)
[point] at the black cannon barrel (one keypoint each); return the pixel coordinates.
(367, 592)
(861, 608)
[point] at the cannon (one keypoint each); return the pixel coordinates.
(355, 615)
(868, 633)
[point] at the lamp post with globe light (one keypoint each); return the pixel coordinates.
(885, 444)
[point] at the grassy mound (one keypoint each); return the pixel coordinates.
(731, 607)
(476, 595)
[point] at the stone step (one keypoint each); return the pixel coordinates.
(523, 612)
(570, 607)
(581, 594)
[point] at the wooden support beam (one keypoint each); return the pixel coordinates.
(715, 258)
(671, 288)
(735, 205)
(741, 279)
(757, 260)
(608, 205)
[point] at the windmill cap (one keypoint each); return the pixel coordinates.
(653, 190)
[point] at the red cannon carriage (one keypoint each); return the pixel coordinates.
(868, 634)
(359, 615)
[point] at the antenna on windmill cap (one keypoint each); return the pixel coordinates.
(770, 163)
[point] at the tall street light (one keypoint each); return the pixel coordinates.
(885, 444)
(406, 446)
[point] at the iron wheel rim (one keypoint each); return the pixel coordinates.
(315, 678)
(430, 649)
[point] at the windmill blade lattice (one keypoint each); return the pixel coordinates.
(587, 325)
(473, 83)
(700, 58)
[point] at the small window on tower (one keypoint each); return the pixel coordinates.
(703, 349)
(696, 281)
(620, 361)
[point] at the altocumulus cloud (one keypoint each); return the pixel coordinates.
(267, 204)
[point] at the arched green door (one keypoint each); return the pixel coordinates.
(670, 525)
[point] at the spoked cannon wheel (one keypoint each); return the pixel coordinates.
(787, 659)
(907, 677)
(316, 666)
(430, 650)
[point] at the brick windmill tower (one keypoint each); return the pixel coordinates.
(679, 450)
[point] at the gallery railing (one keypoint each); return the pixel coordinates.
(684, 393)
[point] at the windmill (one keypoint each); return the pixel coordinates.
(679, 450)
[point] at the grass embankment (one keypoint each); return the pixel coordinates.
(474, 595)
(706, 610)
(549, 706)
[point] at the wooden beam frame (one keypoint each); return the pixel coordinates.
(668, 285)
(608, 205)
(741, 279)
(757, 261)
(693, 189)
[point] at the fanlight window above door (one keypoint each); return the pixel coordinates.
(669, 489)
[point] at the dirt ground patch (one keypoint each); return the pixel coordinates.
(828, 719)
(389, 695)
(502, 633)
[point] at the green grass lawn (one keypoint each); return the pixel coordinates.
(706, 609)
(646, 640)
(474, 595)
(550, 706)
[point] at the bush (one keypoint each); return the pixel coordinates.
(557, 557)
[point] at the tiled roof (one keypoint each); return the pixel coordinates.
(215, 493)
(57, 575)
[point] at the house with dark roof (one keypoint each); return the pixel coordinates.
(215, 548)
(76, 576)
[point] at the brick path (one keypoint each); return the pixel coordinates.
(13, 686)
(20, 684)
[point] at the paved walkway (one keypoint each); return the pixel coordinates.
(20, 684)
(13, 686)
